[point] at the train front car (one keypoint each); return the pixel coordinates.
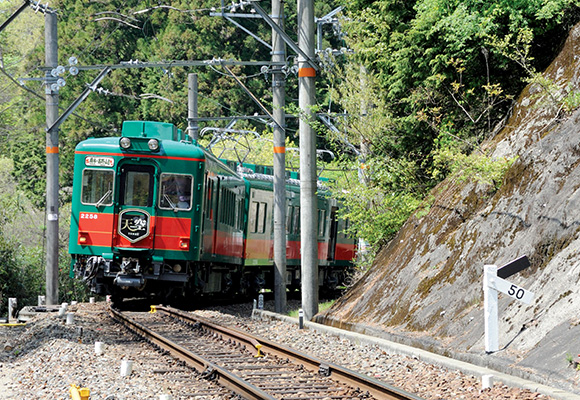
(136, 219)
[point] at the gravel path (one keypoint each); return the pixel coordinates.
(42, 359)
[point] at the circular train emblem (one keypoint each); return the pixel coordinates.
(134, 225)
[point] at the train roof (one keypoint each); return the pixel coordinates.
(172, 141)
(152, 129)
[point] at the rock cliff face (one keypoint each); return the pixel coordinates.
(425, 286)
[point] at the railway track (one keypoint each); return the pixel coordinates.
(250, 367)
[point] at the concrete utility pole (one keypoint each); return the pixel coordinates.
(192, 125)
(308, 179)
(52, 161)
(279, 113)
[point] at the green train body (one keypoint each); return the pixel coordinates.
(154, 214)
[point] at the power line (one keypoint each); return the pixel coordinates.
(3, 71)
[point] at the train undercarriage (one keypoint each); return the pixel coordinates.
(172, 281)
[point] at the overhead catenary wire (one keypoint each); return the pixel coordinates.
(24, 87)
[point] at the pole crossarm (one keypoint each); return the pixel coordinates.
(169, 64)
(253, 97)
(36, 6)
(233, 15)
(90, 88)
(249, 32)
(328, 17)
(287, 39)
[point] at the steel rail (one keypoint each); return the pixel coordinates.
(218, 374)
(378, 389)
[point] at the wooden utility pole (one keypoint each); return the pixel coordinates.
(308, 178)
(279, 114)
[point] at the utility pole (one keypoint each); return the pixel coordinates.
(52, 160)
(192, 125)
(308, 178)
(279, 113)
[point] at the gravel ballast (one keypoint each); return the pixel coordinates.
(42, 359)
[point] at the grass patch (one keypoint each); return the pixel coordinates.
(321, 307)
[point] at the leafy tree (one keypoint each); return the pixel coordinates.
(21, 275)
(429, 80)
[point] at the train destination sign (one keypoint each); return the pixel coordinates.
(93, 161)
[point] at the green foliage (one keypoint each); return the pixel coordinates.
(376, 216)
(428, 82)
(380, 185)
(250, 147)
(475, 167)
(18, 240)
(377, 199)
(518, 49)
(22, 253)
(437, 62)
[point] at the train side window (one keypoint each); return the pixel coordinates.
(240, 213)
(253, 217)
(228, 208)
(346, 225)
(231, 208)
(263, 209)
(289, 219)
(208, 199)
(321, 222)
(97, 187)
(175, 191)
(296, 224)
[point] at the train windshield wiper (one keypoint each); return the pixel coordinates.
(171, 204)
(102, 199)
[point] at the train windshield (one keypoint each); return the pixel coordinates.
(175, 193)
(137, 185)
(97, 187)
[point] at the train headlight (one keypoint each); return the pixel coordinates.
(125, 142)
(153, 144)
(83, 238)
(184, 243)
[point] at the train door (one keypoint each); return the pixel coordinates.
(216, 209)
(332, 234)
(259, 242)
(210, 203)
(135, 218)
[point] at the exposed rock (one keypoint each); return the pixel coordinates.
(425, 287)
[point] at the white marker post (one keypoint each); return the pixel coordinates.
(491, 284)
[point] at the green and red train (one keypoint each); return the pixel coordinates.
(155, 214)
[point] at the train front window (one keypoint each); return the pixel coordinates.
(97, 187)
(175, 192)
(137, 186)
